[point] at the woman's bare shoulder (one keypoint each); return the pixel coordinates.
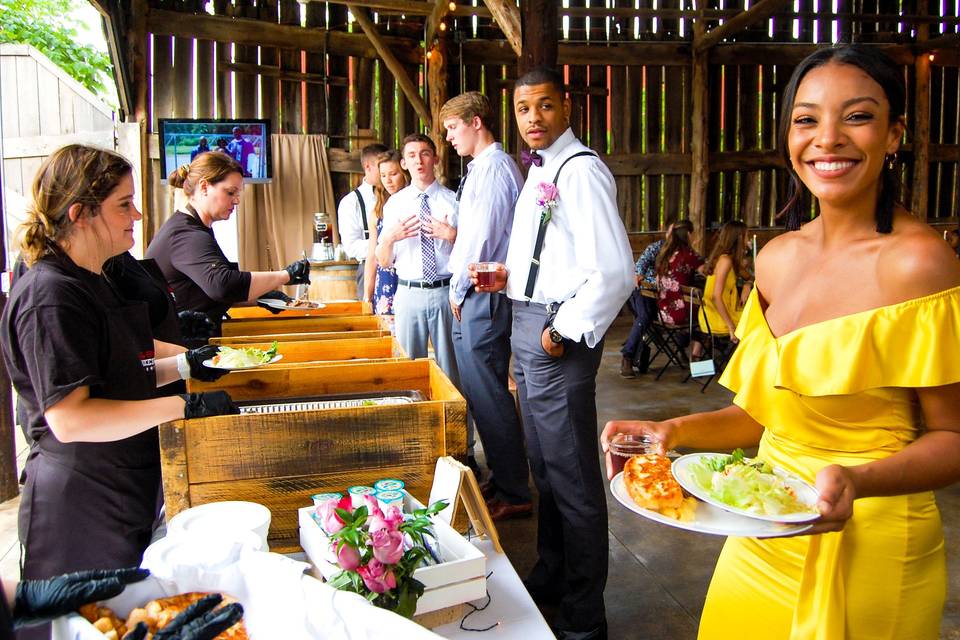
(916, 261)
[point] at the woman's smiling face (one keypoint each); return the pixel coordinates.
(840, 133)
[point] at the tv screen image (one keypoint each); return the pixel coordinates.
(246, 141)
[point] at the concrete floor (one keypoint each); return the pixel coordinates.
(658, 576)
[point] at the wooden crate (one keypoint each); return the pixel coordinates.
(296, 337)
(311, 324)
(333, 308)
(280, 460)
(296, 353)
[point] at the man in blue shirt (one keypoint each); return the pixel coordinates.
(240, 148)
(481, 335)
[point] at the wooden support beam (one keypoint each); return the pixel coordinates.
(946, 41)
(757, 13)
(921, 130)
(8, 446)
(393, 64)
(276, 72)
(538, 30)
(507, 16)
(699, 167)
(437, 89)
(409, 7)
(244, 31)
(441, 8)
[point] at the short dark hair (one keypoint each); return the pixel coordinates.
(372, 150)
(881, 70)
(418, 137)
(541, 75)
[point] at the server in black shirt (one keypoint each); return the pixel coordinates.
(187, 252)
(86, 367)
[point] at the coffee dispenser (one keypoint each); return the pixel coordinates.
(322, 237)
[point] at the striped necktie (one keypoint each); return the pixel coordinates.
(428, 253)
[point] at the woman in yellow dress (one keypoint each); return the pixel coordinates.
(846, 376)
(722, 306)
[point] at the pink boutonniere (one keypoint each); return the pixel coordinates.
(547, 199)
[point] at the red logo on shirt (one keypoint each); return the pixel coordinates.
(148, 360)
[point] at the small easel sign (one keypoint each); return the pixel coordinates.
(455, 483)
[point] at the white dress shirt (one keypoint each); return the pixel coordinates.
(485, 215)
(586, 262)
(350, 224)
(407, 254)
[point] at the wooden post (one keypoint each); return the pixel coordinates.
(921, 130)
(507, 15)
(8, 447)
(437, 87)
(538, 29)
(699, 174)
(390, 60)
(141, 115)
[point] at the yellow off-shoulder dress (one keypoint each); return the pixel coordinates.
(840, 392)
(710, 319)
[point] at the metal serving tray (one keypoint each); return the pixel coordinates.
(338, 401)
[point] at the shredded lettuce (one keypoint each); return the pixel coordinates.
(243, 357)
(749, 485)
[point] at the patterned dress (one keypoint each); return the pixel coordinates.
(385, 287)
(681, 269)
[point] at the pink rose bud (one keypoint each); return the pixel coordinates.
(387, 546)
(373, 507)
(347, 557)
(377, 577)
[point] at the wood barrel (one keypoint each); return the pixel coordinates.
(333, 280)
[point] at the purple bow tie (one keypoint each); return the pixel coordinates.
(531, 157)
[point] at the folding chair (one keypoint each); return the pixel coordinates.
(667, 339)
(721, 347)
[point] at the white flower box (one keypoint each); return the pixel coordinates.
(460, 578)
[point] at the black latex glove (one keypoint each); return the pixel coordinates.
(40, 600)
(274, 295)
(196, 326)
(195, 358)
(199, 621)
(299, 272)
(208, 403)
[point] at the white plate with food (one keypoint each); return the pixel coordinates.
(747, 487)
(294, 305)
(707, 519)
(240, 358)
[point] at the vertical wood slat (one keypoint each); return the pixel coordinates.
(654, 91)
(291, 109)
(921, 139)
(699, 150)
(246, 83)
(676, 123)
(269, 56)
(316, 94)
(205, 79)
(163, 81)
(182, 102)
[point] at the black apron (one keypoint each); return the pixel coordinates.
(91, 505)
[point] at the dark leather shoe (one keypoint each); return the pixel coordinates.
(506, 511)
(488, 490)
(626, 368)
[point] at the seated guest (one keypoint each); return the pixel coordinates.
(676, 266)
(721, 297)
(380, 283)
(644, 308)
(187, 252)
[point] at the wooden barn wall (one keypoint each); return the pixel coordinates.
(637, 116)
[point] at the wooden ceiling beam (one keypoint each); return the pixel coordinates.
(439, 11)
(283, 36)
(391, 61)
(507, 16)
(408, 7)
(757, 13)
(946, 41)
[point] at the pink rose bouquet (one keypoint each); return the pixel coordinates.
(377, 551)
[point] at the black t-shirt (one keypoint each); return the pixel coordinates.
(55, 335)
(199, 273)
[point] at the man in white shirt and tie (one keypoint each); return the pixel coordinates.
(419, 229)
(569, 269)
(355, 211)
(481, 335)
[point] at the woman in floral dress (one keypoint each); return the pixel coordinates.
(379, 288)
(676, 265)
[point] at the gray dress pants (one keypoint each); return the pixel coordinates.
(558, 404)
(481, 341)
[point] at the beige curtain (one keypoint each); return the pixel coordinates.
(276, 220)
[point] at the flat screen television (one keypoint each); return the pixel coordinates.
(246, 141)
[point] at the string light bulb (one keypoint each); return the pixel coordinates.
(452, 6)
(443, 26)
(429, 54)
(931, 57)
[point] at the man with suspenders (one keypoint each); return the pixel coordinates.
(355, 209)
(568, 271)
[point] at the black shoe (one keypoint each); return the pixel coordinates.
(626, 368)
(597, 633)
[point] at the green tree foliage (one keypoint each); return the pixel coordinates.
(50, 26)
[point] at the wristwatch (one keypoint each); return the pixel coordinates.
(555, 336)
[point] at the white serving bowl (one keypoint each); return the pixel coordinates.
(228, 516)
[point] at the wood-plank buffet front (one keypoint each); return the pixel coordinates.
(281, 459)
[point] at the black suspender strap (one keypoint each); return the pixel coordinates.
(542, 231)
(463, 181)
(363, 212)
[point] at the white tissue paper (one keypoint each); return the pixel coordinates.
(279, 601)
